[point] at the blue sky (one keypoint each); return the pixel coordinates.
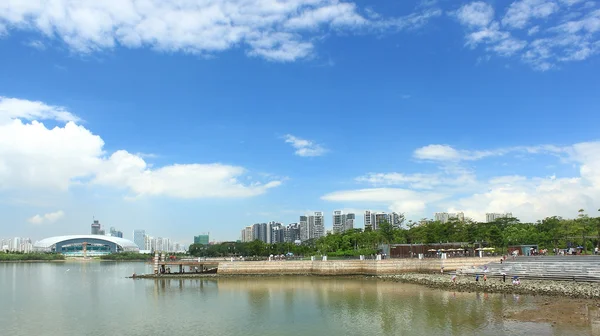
(211, 116)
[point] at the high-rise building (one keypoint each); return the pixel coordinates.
(277, 233)
(139, 238)
(349, 222)
(304, 228)
(491, 217)
(116, 233)
(255, 232)
(444, 217)
(96, 227)
(338, 221)
(369, 220)
(396, 220)
(316, 224)
(292, 233)
(201, 239)
(262, 232)
(378, 219)
(247, 234)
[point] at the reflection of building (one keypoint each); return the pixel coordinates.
(444, 217)
(92, 244)
(491, 217)
(201, 239)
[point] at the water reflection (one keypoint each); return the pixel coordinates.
(376, 307)
(97, 298)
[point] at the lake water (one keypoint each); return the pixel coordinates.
(96, 298)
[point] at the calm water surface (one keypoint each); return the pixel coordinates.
(95, 298)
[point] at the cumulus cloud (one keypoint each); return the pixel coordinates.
(47, 218)
(456, 188)
(12, 108)
(282, 30)
(305, 147)
(555, 31)
(33, 156)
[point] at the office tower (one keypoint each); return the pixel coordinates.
(96, 227)
(139, 238)
(316, 225)
(368, 220)
(304, 229)
(491, 217)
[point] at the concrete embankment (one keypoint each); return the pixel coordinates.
(581, 290)
(348, 267)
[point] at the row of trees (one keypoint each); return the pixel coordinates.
(19, 256)
(551, 232)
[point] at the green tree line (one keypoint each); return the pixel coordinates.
(30, 256)
(550, 232)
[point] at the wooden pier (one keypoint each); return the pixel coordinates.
(162, 265)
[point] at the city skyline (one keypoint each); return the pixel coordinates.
(149, 120)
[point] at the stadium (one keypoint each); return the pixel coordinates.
(85, 245)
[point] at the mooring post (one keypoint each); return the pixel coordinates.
(156, 262)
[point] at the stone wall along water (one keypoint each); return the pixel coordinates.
(348, 267)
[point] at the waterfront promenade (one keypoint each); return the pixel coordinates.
(328, 267)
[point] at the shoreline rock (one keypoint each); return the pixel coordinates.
(578, 290)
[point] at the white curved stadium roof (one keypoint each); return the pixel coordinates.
(48, 242)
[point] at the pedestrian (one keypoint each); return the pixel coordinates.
(503, 277)
(477, 277)
(484, 277)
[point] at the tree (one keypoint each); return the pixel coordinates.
(386, 231)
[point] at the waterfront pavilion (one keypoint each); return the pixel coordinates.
(85, 245)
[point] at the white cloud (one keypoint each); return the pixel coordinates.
(275, 30)
(47, 218)
(12, 108)
(447, 153)
(520, 12)
(33, 156)
(455, 188)
(478, 14)
(305, 147)
(399, 200)
(546, 44)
